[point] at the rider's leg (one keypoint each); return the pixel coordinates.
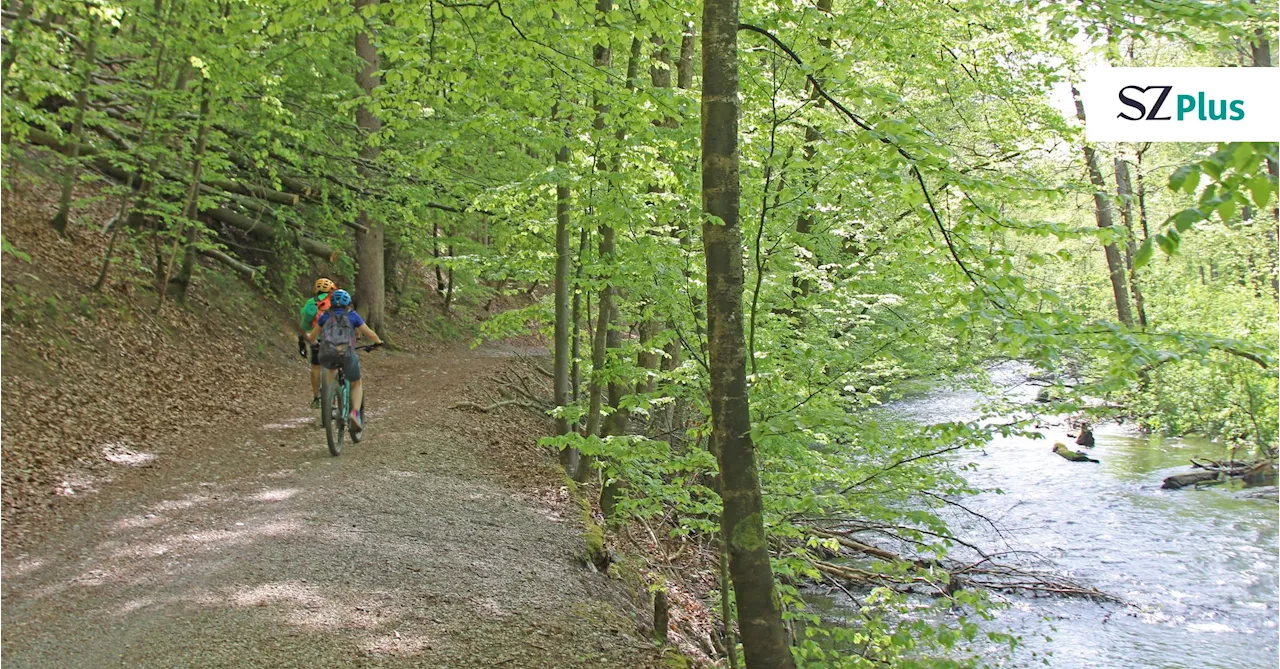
(352, 371)
(357, 394)
(315, 376)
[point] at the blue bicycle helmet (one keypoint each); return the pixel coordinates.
(340, 298)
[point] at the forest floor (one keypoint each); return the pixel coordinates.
(445, 539)
(169, 500)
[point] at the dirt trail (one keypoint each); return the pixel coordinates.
(424, 546)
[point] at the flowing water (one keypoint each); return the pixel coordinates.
(1197, 569)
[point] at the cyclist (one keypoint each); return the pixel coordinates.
(336, 331)
(307, 318)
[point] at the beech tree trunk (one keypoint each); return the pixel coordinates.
(563, 258)
(602, 57)
(617, 421)
(1102, 212)
(190, 225)
(684, 66)
(1261, 51)
(1124, 189)
(801, 287)
(742, 519)
(575, 372)
(194, 231)
(89, 64)
(370, 280)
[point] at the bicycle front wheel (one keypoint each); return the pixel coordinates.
(333, 413)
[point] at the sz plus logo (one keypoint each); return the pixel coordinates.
(1188, 106)
(1182, 104)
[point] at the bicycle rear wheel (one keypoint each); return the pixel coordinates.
(333, 413)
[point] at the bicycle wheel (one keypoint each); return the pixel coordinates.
(333, 413)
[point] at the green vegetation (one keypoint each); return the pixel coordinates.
(913, 200)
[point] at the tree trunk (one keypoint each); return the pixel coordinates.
(602, 56)
(89, 64)
(575, 373)
(563, 316)
(390, 254)
(1261, 51)
(435, 252)
(370, 282)
(1102, 212)
(246, 270)
(684, 66)
(617, 421)
(1124, 189)
(1142, 194)
(800, 287)
(189, 223)
(742, 520)
(566, 322)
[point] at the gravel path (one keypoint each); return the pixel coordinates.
(425, 546)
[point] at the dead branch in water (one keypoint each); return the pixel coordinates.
(944, 577)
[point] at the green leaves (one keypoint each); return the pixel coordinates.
(1185, 178)
(1261, 188)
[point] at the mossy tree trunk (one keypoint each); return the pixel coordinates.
(742, 518)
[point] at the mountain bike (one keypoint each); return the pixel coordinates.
(335, 405)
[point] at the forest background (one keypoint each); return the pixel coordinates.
(917, 202)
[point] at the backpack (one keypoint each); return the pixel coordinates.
(335, 339)
(321, 307)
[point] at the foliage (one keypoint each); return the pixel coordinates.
(938, 219)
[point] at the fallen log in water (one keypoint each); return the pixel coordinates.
(1071, 455)
(1259, 472)
(1190, 478)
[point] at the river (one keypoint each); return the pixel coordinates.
(1197, 569)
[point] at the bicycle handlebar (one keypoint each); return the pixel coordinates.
(303, 344)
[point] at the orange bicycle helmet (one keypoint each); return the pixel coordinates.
(324, 285)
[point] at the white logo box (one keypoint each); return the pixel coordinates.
(1120, 104)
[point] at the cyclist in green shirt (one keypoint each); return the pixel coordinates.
(307, 319)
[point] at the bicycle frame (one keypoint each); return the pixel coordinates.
(335, 425)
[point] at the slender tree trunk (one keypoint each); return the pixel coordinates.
(1261, 51)
(1142, 193)
(576, 372)
(563, 316)
(191, 207)
(448, 293)
(684, 66)
(566, 319)
(617, 421)
(742, 520)
(602, 58)
(800, 287)
(127, 216)
(88, 63)
(390, 256)
(370, 283)
(1125, 190)
(726, 611)
(435, 251)
(1102, 211)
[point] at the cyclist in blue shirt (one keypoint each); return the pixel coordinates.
(346, 325)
